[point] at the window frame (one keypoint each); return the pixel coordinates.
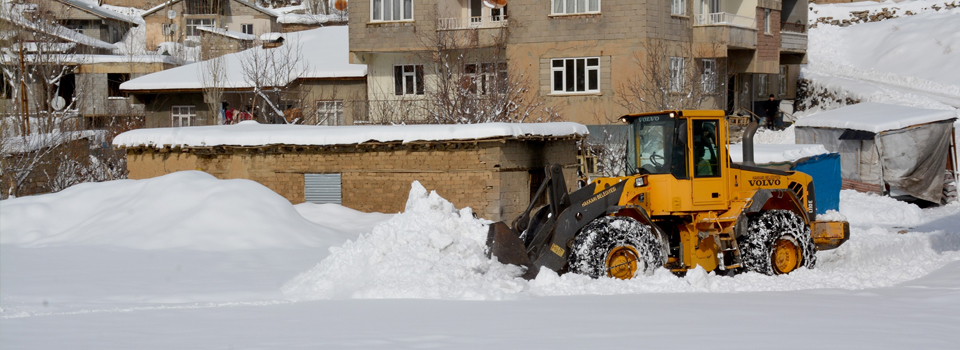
(245, 26)
(676, 73)
(766, 21)
(177, 113)
(485, 78)
(324, 112)
(405, 13)
(678, 7)
(709, 76)
(400, 83)
(565, 85)
(572, 7)
(783, 80)
(191, 28)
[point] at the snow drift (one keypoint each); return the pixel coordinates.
(434, 251)
(189, 210)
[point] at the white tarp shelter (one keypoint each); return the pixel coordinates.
(879, 144)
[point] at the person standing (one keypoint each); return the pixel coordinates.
(771, 109)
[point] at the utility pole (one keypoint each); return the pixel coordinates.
(23, 93)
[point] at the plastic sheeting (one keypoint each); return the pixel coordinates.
(911, 159)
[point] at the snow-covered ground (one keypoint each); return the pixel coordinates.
(186, 260)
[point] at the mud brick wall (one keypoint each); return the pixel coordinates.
(492, 177)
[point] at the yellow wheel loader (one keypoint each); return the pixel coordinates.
(682, 204)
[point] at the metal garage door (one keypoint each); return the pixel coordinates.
(322, 188)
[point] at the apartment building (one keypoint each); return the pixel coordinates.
(182, 21)
(589, 60)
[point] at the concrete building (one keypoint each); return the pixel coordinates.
(315, 82)
(581, 56)
(179, 20)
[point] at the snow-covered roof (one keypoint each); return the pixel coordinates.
(875, 117)
(228, 33)
(305, 18)
(57, 31)
(159, 7)
(272, 36)
(98, 11)
(250, 133)
(33, 142)
(777, 153)
(326, 51)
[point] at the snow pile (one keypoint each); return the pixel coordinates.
(251, 133)
(431, 250)
(870, 209)
(869, 11)
(777, 153)
(187, 210)
(768, 136)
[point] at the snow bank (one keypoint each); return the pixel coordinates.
(186, 210)
(250, 133)
(875, 117)
(431, 250)
(777, 153)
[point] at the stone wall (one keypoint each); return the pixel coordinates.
(492, 177)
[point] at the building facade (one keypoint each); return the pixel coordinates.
(178, 20)
(590, 60)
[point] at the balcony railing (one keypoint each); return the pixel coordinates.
(471, 22)
(724, 19)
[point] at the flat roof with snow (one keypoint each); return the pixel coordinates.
(253, 134)
(875, 117)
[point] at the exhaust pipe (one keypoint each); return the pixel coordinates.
(748, 142)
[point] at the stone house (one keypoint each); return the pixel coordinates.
(179, 20)
(576, 55)
(312, 93)
(492, 168)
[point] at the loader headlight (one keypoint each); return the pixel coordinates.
(640, 181)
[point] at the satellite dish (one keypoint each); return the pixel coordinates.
(495, 4)
(58, 103)
(171, 14)
(340, 5)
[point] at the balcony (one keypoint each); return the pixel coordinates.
(724, 19)
(471, 22)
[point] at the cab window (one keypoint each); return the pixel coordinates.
(706, 161)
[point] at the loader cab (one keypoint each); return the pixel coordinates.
(688, 145)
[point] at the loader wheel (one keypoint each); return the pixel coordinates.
(777, 242)
(616, 246)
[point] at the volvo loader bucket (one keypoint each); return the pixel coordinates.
(504, 243)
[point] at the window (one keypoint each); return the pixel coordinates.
(766, 21)
(708, 79)
(499, 14)
(6, 91)
(706, 162)
(391, 10)
(408, 79)
(193, 23)
(678, 7)
(783, 80)
(489, 78)
(329, 112)
(575, 74)
(676, 74)
(182, 116)
(570, 7)
(760, 80)
(113, 84)
(246, 28)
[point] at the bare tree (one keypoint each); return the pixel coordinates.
(673, 75)
(271, 73)
(212, 77)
